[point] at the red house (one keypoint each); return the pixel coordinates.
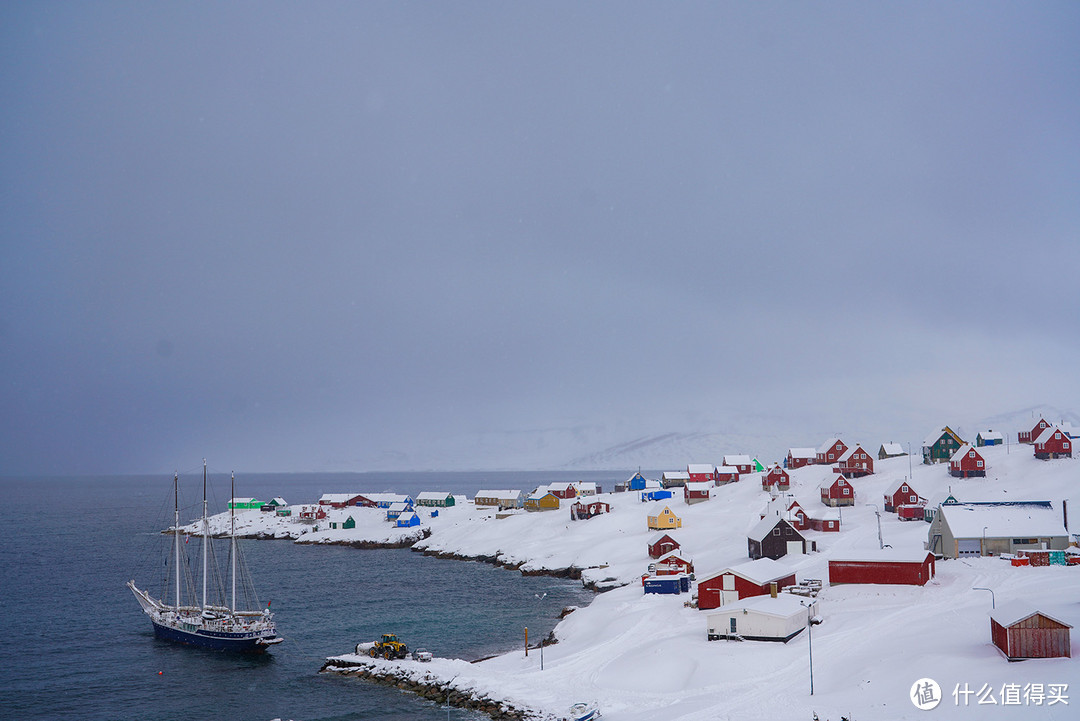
(563, 490)
(799, 457)
(1030, 436)
(701, 472)
(883, 566)
(697, 492)
(837, 492)
(1020, 631)
(899, 494)
(754, 578)
(855, 462)
(798, 518)
(830, 451)
(1053, 443)
(828, 522)
(660, 544)
(776, 478)
(581, 511)
(727, 474)
(343, 500)
(671, 564)
(744, 463)
(967, 463)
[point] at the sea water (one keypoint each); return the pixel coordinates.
(77, 645)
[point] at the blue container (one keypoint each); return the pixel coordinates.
(666, 584)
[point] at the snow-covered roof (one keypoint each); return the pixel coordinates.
(656, 537)
(700, 468)
(963, 451)
(652, 485)
(826, 514)
(677, 553)
(895, 555)
(737, 460)
(846, 455)
(758, 572)
(560, 487)
(398, 506)
(785, 605)
(698, 486)
(676, 475)
(1014, 612)
(407, 516)
(659, 507)
(1048, 434)
(727, 470)
(278, 501)
(1013, 520)
(936, 436)
(893, 449)
(337, 497)
(501, 494)
(991, 435)
(895, 486)
(831, 480)
(237, 501)
(824, 447)
(433, 496)
(802, 452)
(761, 529)
(585, 486)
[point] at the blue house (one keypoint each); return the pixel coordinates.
(396, 509)
(408, 520)
(989, 438)
(637, 482)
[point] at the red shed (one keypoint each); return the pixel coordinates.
(883, 566)
(701, 472)
(1021, 631)
(837, 491)
(828, 522)
(1053, 443)
(899, 494)
(753, 578)
(799, 457)
(660, 544)
(1030, 436)
(777, 478)
(727, 474)
(697, 492)
(855, 462)
(967, 463)
(828, 452)
(581, 511)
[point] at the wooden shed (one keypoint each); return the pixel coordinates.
(542, 500)
(744, 580)
(660, 544)
(890, 450)
(1020, 631)
(967, 463)
(697, 492)
(887, 565)
(670, 479)
(727, 474)
(989, 438)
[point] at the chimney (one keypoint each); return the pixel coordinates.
(772, 589)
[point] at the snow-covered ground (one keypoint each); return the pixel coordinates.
(646, 657)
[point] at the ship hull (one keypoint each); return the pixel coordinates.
(218, 641)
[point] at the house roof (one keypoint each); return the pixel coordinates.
(991, 435)
(785, 605)
(385, 497)
(673, 554)
(895, 486)
(726, 470)
(1002, 520)
(657, 536)
(1008, 614)
(561, 487)
(398, 506)
(846, 455)
(407, 516)
(676, 475)
(893, 449)
(1049, 433)
(737, 460)
(659, 507)
(278, 501)
(832, 481)
(236, 501)
(893, 555)
(759, 572)
(337, 497)
(963, 451)
(824, 447)
(701, 468)
(698, 486)
(936, 436)
(500, 494)
(802, 452)
(585, 486)
(433, 496)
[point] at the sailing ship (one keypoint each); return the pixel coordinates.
(222, 627)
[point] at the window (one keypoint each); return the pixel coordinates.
(1065, 445)
(978, 464)
(847, 492)
(904, 489)
(971, 454)
(776, 531)
(911, 499)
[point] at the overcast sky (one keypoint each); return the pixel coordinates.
(363, 235)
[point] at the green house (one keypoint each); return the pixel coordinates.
(244, 504)
(941, 446)
(350, 522)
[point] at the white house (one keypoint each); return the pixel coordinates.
(762, 618)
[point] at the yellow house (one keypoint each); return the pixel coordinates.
(544, 502)
(663, 518)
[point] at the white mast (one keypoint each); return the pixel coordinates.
(206, 535)
(232, 536)
(176, 535)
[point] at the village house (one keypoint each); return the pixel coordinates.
(244, 504)
(670, 479)
(697, 492)
(900, 493)
(787, 507)
(774, 538)
(742, 462)
(273, 505)
(1053, 443)
(1021, 631)
(855, 462)
(661, 517)
(661, 543)
(396, 509)
(886, 565)
(407, 520)
(828, 452)
(1035, 432)
(503, 499)
(890, 450)
(776, 478)
(995, 527)
(542, 500)
(341, 500)
(638, 482)
(672, 563)
(940, 446)
(586, 488)
(700, 472)
(799, 457)
(762, 618)
(989, 438)
(744, 580)
(837, 491)
(582, 510)
(967, 463)
(564, 491)
(825, 521)
(381, 500)
(435, 499)
(726, 474)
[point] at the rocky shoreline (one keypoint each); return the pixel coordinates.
(571, 572)
(428, 687)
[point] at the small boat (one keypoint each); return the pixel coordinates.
(222, 627)
(584, 712)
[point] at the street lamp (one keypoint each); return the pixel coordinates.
(881, 543)
(541, 598)
(983, 550)
(810, 640)
(993, 603)
(449, 684)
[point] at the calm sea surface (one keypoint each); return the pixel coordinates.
(77, 645)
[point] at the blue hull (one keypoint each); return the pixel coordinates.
(217, 641)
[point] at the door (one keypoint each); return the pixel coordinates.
(969, 547)
(794, 548)
(733, 625)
